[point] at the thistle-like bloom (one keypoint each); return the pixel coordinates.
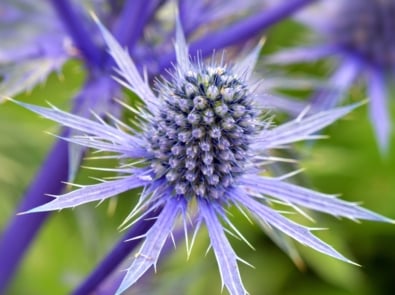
(202, 147)
(360, 32)
(35, 47)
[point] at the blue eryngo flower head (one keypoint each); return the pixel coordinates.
(361, 33)
(366, 28)
(202, 148)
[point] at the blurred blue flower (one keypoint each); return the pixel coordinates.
(34, 47)
(203, 147)
(35, 43)
(360, 33)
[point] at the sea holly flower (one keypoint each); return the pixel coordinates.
(64, 32)
(360, 33)
(203, 144)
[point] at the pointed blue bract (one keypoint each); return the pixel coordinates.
(91, 193)
(127, 70)
(379, 114)
(296, 195)
(225, 255)
(302, 128)
(155, 239)
(272, 218)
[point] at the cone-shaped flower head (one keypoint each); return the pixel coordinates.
(200, 139)
(203, 141)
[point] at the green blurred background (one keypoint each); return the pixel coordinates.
(73, 241)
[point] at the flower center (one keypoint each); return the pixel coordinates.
(367, 27)
(200, 140)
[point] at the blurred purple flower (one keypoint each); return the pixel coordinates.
(202, 148)
(360, 33)
(33, 45)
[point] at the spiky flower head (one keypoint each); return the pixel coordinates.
(202, 142)
(201, 136)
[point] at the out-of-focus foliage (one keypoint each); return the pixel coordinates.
(73, 241)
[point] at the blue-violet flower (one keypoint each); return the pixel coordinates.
(202, 148)
(360, 32)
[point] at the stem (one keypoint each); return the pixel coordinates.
(22, 229)
(111, 284)
(134, 12)
(128, 29)
(240, 31)
(117, 254)
(75, 26)
(130, 24)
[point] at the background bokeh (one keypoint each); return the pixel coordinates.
(73, 241)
